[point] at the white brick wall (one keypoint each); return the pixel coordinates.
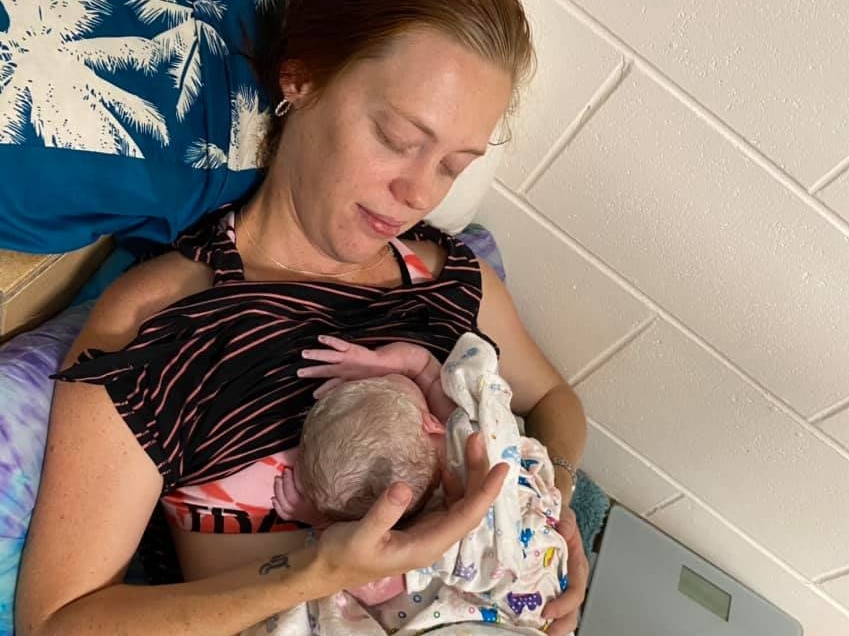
(674, 219)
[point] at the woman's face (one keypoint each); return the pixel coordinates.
(383, 143)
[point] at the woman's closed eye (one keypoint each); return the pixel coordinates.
(449, 171)
(400, 147)
(394, 144)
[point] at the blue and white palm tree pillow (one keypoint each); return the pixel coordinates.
(125, 117)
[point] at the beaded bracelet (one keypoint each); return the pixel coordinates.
(565, 464)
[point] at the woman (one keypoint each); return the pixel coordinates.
(377, 126)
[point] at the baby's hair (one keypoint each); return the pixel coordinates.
(357, 440)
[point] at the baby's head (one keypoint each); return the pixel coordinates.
(361, 437)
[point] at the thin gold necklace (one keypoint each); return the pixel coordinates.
(307, 272)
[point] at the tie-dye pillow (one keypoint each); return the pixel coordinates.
(25, 393)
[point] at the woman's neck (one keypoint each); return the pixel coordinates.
(269, 217)
(271, 237)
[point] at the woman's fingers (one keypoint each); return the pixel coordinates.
(386, 511)
(431, 535)
(578, 566)
(564, 609)
(370, 549)
(478, 499)
(563, 626)
(477, 464)
(436, 533)
(476, 468)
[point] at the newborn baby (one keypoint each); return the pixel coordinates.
(393, 414)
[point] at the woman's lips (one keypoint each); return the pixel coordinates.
(383, 226)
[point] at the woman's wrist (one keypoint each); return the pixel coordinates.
(333, 572)
(321, 577)
(565, 475)
(302, 571)
(558, 422)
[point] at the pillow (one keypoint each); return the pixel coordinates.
(135, 118)
(128, 118)
(460, 205)
(25, 393)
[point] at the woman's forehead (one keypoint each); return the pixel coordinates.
(433, 79)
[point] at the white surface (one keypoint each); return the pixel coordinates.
(839, 589)
(727, 549)
(697, 227)
(660, 200)
(574, 311)
(774, 71)
(558, 93)
(838, 427)
(622, 475)
(836, 196)
(719, 438)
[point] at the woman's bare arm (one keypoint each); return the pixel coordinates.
(552, 410)
(97, 492)
(99, 487)
(553, 415)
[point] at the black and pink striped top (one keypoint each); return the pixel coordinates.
(209, 385)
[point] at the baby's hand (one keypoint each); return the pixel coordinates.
(379, 591)
(291, 505)
(347, 361)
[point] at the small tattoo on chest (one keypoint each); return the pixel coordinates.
(274, 563)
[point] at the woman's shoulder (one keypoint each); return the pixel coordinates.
(140, 293)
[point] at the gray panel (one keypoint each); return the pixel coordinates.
(647, 584)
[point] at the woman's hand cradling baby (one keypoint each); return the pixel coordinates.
(564, 610)
(358, 552)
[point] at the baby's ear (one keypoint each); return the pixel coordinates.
(431, 424)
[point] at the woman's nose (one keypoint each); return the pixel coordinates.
(416, 189)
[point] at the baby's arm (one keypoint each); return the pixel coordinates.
(347, 361)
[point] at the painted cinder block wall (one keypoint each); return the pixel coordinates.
(673, 212)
